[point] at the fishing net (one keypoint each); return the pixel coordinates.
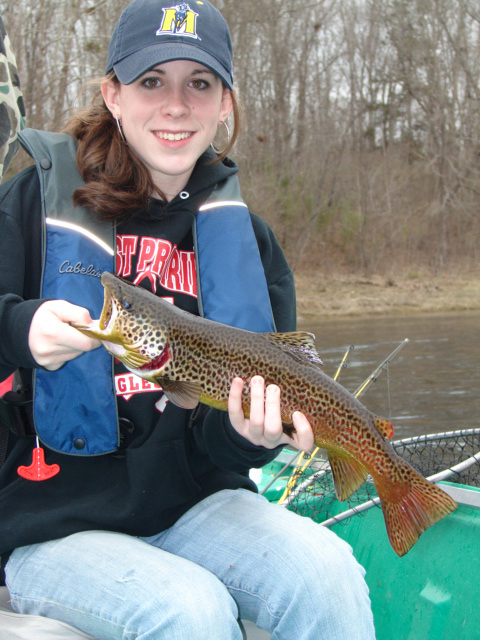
(432, 454)
(454, 453)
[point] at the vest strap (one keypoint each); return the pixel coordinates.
(231, 282)
(75, 408)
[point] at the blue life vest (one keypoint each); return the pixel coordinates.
(75, 409)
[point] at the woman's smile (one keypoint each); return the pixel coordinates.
(173, 137)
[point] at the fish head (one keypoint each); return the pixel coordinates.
(131, 326)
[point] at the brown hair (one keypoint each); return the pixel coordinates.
(117, 183)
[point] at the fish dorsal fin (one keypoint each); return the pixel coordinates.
(299, 345)
(348, 474)
(384, 427)
(184, 394)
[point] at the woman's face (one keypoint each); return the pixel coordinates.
(170, 116)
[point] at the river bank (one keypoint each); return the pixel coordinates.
(320, 296)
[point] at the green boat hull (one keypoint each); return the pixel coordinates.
(432, 592)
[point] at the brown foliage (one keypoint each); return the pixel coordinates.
(361, 145)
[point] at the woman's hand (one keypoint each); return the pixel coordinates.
(52, 340)
(264, 427)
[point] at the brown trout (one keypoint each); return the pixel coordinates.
(195, 360)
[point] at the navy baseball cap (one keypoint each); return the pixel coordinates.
(150, 32)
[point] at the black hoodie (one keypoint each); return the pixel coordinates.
(168, 462)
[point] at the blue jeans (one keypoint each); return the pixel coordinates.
(232, 555)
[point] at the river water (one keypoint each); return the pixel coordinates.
(433, 383)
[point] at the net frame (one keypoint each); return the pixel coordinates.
(452, 456)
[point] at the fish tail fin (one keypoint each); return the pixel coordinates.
(411, 506)
(348, 474)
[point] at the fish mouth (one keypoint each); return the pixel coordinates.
(102, 329)
(129, 353)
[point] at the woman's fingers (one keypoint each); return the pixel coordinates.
(303, 438)
(273, 425)
(257, 408)
(52, 341)
(264, 427)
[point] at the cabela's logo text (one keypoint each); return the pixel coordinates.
(79, 269)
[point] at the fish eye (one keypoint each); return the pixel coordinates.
(126, 304)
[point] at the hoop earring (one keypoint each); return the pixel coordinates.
(120, 130)
(217, 151)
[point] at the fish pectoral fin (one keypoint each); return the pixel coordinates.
(132, 358)
(300, 345)
(348, 474)
(384, 427)
(183, 393)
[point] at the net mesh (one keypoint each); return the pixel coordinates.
(313, 492)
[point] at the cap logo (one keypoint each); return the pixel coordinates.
(178, 20)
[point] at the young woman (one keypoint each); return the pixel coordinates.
(150, 527)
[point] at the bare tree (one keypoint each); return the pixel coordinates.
(361, 145)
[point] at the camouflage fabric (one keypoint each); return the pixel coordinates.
(12, 110)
